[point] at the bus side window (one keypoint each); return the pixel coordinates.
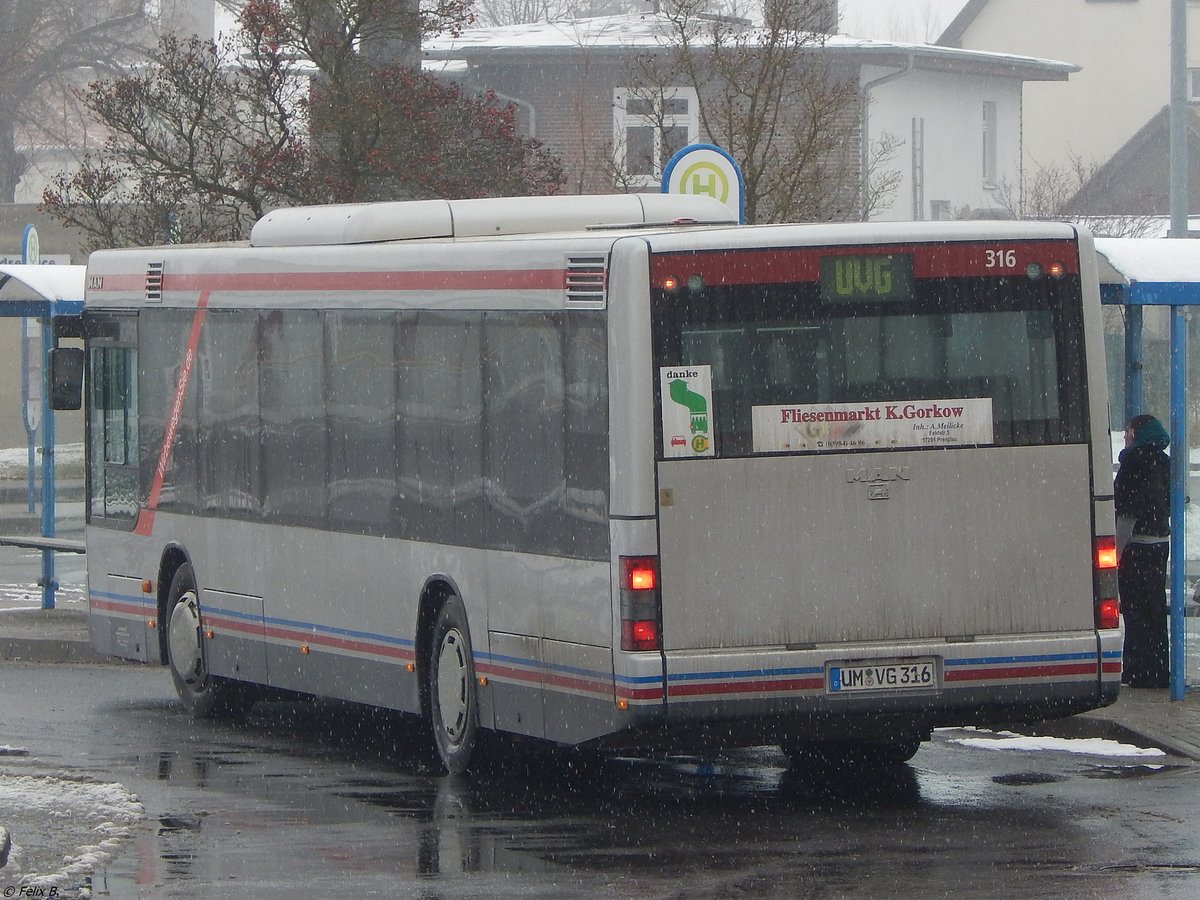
(114, 432)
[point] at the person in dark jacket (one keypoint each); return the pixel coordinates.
(1143, 491)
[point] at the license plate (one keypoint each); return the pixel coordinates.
(890, 676)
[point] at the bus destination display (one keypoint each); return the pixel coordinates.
(866, 277)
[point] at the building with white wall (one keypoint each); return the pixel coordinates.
(961, 126)
(1122, 49)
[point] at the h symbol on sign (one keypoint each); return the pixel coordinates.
(705, 184)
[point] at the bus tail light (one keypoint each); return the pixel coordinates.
(640, 607)
(1106, 553)
(1108, 606)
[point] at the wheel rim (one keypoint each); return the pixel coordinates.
(187, 658)
(453, 685)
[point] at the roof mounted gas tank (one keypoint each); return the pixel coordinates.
(366, 223)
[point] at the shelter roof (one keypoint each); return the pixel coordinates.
(41, 290)
(1150, 270)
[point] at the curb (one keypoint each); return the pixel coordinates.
(51, 650)
(1098, 724)
(50, 636)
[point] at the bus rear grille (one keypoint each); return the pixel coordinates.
(154, 282)
(587, 280)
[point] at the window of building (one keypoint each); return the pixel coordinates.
(1194, 84)
(648, 128)
(989, 143)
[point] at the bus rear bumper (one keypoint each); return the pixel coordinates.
(794, 696)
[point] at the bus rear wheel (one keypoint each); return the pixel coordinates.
(450, 687)
(204, 695)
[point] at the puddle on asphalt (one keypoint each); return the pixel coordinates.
(1026, 779)
(1139, 771)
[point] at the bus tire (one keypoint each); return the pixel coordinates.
(450, 687)
(204, 695)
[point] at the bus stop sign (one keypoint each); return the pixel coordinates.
(706, 169)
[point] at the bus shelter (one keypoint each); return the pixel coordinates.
(1136, 273)
(50, 294)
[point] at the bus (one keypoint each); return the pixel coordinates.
(609, 472)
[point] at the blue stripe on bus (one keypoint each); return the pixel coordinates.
(998, 660)
(561, 667)
(748, 673)
(575, 670)
(124, 598)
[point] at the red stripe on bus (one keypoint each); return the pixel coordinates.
(129, 609)
(145, 519)
(640, 694)
(782, 265)
(590, 686)
(1086, 668)
(800, 684)
(284, 282)
(746, 687)
(321, 640)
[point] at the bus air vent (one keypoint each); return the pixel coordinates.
(154, 282)
(587, 280)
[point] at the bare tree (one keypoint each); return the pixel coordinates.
(205, 138)
(1053, 192)
(42, 43)
(772, 98)
(518, 12)
(879, 180)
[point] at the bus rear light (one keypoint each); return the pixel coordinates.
(1105, 558)
(1108, 613)
(639, 573)
(1106, 552)
(1035, 271)
(640, 634)
(641, 610)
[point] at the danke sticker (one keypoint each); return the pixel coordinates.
(687, 411)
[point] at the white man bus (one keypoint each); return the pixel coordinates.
(609, 472)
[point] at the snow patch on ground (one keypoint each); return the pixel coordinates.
(63, 826)
(1007, 740)
(14, 461)
(24, 596)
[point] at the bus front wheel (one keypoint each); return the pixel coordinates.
(204, 695)
(450, 687)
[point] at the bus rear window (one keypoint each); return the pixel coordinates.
(782, 368)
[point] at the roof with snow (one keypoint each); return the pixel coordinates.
(650, 31)
(1150, 259)
(31, 290)
(1151, 270)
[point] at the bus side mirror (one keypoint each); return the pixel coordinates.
(66, 378)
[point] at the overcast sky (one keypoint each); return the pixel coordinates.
(901, 20)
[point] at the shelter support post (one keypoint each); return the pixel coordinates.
(49, 581)
(1179, 475)
(1133, 361)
